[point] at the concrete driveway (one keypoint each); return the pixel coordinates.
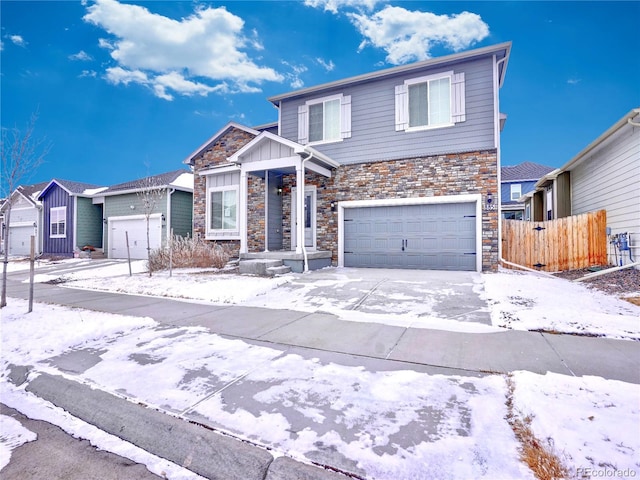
(420, 294)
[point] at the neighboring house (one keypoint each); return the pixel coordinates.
(515, 182)
(25, 219)
(605, 175)
(394, 169)
(71, 220)
(125, 213)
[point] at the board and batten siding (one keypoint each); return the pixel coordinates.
(610, 179)
(373, 132)
(181, 213)
(57, 197)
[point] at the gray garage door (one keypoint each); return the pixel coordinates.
(429, 236)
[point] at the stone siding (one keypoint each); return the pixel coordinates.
(440, 175)
(213, 155)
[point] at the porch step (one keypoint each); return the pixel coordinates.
(281, 270)
(263, 266)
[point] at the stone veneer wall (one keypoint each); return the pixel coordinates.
(213, 155)
(453, 174)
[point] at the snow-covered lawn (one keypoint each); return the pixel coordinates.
(515, 300)
(379, 424)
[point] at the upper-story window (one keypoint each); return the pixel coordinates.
(58, 222)
(516, 191)
(326, 119)
(430, 102)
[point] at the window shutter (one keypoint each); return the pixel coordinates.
(457, 98)
(303, 124)
(402, 107)
(345, 116)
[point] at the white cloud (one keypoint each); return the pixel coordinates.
(334, 5)
(17, 40)
(81, 55)
(294, 77)
(89, 73)
(171, 53)
(410, 35)
(327, 65)
(573, 81)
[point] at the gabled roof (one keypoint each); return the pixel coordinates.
(216, 136)
(28, 192)
(77, 189)
(526, 171)
(178, 179)
(501, 50)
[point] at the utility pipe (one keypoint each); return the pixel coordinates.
(604, 272)
(301, 194)
(516, 265)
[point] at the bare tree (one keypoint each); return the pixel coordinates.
(22, 153)
(150, 194)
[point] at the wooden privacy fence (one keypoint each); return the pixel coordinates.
(568, 243)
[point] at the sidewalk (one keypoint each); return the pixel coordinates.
(284, 394)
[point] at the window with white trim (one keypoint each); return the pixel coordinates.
(516, 191)
(430, 102)
(326, 119)
(223, 209)
(58, 222)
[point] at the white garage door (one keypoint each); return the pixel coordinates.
(136, 229)
(20, 240)
(438, 236)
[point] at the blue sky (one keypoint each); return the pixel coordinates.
(126, 90)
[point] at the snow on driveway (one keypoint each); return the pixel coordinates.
(379, 424)
(512, 300)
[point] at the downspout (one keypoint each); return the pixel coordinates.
(499, 154)
(301, 194)
(171, 192)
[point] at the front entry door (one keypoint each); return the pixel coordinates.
(309, 218)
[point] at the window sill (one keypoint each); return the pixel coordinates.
(325, 142)
(429, 127)
(221, 236)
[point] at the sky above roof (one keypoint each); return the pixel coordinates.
(126, 90)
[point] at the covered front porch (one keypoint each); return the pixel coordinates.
(278, 210)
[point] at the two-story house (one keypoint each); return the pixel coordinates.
(516, 181)
(392, 169)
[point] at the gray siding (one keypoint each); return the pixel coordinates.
(223, 180)
(181, 213)
(57, 197)
(610, 178)
(373, 134)
(275, 236)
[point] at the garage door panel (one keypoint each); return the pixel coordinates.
(136, 231)
(434, 236)
(20, 240)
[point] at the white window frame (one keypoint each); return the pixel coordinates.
(344, 119)
(234, 232)
(60, 219)
(457, 107)
(514, 190)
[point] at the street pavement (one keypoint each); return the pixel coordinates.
(311, 335)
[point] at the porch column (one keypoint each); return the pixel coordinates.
(299, 206)
(242, 201)
(266, 210)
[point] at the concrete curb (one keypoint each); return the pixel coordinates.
(205, 452)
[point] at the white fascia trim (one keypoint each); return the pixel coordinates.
(235, 158)
(216, 170)
(386, 202)
(314, 167)
(218, 134)
(262, 165)
(305, 149)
